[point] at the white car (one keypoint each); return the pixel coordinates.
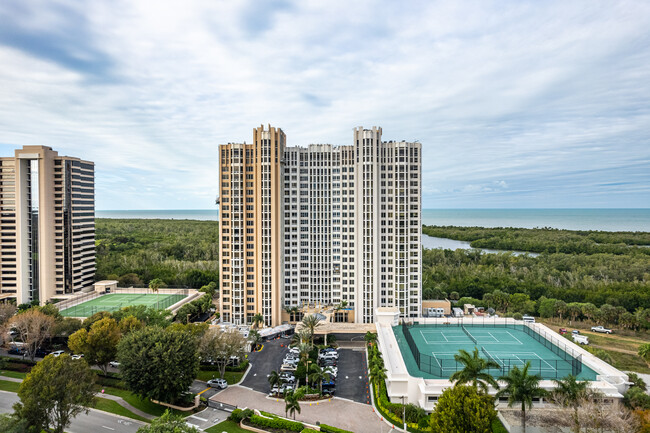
(218, 383)
(57, 353)
(77, 356)
(114, 364)
(601, 329)
(294, 351)
(328, 355)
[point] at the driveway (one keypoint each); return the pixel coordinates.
(345, 414)
(352, 379)
(264, 362)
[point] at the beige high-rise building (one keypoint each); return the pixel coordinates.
(47, 221)
(345, 227)
(250, 228)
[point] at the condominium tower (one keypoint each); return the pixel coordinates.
(47, 217)
(347, 231)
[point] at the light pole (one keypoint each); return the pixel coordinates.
(404, 412)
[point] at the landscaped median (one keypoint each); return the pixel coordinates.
(249, 419)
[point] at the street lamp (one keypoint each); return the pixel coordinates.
(404, 412)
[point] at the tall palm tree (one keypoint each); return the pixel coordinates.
(155, 285)
(521, 387)
(571, 391)
(256, 320)
(299, 337)
(474, 370)
(291, 404)
(255, 338)
(303, 353)
(310, 323)
(318, 375)
(274, 379)
(377, 374)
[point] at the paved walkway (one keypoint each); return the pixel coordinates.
(119, 400)
(337, 412)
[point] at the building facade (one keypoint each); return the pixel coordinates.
(350, 226)
(47, 217)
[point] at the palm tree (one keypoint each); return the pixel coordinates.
(303, 353)
(571, 391)
(255, 338)
(274, 379)
(370, 337)
(319, 375)
(291, 404)
(377, 374)
(474, 370)
(257, 319)
(155, 285)
(298, 338)
(310, 323)
(521, 387)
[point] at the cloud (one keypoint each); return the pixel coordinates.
(523, 104)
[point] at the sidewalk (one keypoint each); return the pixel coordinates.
(345, 414)
(119, 400)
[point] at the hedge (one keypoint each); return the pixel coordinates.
(308, 430)
(329, 429)
(278, 423)
(238, 369)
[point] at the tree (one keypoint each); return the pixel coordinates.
(130, 324)
(219, 347)
(7, 311)
(569, 392)
(99, 345)
(377, 373)
(303, 354)
(644, 352)
(299, 337)
(33, 329)
(370, 337)
(255, 338)
(318, 375)
(462, 409)
(560, 308)
(274, 379)
(256, 320)
(10, 423)
(158, 364)
(155, 285)
(168, 423)
(291, 403)
(55, 391)
(311, 323)
(474, 370)
(147, 315)
(65, 327)
(521, 387)
(454, 296)
(546, 307)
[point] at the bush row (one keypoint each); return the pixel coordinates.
(238, 369)
(329, 429)
(278, 423)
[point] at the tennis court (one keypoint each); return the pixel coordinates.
(116, 301)
(428, 350)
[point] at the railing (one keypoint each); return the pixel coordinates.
(571, 362)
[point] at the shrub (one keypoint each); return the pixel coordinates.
(635, 398)
(517, 316)
(461, 409)
(329, 429)
(414, 413)
(278, 423)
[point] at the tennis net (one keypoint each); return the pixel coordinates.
(490, 357)
(471, 337)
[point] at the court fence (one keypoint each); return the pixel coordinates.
(571, 362)
(75, 307)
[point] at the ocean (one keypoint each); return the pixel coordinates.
(571, 219)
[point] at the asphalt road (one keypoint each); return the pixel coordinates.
(95, 421)
(264, 362)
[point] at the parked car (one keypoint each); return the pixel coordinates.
(563, 331)
(601, 329)
(328, 349)
(329, 355)
(294, 351)
(218, 383)
(327, 362)
(328, 392)
(575, 332)
(77, 356)
(287, 377)
(16, 350)
(580, 339)
(41, 353)
(57, 353)
(114, 364)
(288, 367)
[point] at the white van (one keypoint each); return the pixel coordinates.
(580, 339)
(528, 319)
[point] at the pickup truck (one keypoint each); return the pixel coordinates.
(601, 329)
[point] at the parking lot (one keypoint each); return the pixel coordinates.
(351, 381)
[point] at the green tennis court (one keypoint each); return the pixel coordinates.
(115, 301)
(428, 350)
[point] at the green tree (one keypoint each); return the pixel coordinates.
(318, 375)
(33, 328)
(157, 364)
(462, 409)
(55, 391)
(377, 373)
(521, 387)
(474, 370)
(220, 347)
(546, 307)
(569, 392)
(11, 423)
(274, 379)
(255, 338)
(154, 286)
(560, 308)
(168, 423)
(291, 403)
(99, 345)
(256, 320)
(370, 337)
(311, 323)
(644, 352)
(589, 310)
(130, 324)
(454, 296)
(303, 354)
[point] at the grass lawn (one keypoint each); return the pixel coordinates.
(114, 407)
(5, 385)
(629, 362)
(142, 404)
(226, 426)
(14, 374)
(231, 377)
(497, 426)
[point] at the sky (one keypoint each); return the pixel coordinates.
(517, 104)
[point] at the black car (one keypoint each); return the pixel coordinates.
(16, 350)
(327, 362)
(42, 353)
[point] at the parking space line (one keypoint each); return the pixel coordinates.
(203, 391)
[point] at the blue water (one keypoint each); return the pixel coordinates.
(572, 219)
